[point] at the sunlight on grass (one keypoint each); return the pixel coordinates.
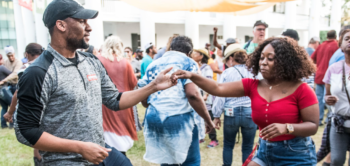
(13, 153)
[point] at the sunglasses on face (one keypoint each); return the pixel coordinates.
(260, 29)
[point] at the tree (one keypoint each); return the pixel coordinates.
(346, 16)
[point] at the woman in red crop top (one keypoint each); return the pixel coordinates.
(285, 109)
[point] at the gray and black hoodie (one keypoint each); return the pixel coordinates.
(64, 99)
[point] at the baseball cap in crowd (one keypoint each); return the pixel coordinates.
(315, 38)
(232, 49)
(291, 33)
(260, 22)
(230, 41)
(148, 46)
(62, 9)
(139, 50)
(9, 50)
(203, 51)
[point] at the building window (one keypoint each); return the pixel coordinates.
(7, 25)
(247, 38)
(135, 41)
(279, 8)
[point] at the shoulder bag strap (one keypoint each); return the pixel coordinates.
(344, 82)
(239, 72)
(247, 45)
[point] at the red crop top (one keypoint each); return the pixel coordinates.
(285, 110)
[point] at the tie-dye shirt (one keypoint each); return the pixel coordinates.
(169, 118)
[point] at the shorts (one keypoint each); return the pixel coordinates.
(299, 151)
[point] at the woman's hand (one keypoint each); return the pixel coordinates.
(273, 130)
(181, 74)
(331, 100)
(217, 123)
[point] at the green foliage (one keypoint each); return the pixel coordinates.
(323, 36)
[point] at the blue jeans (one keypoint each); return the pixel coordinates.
(299, 151)
(5, 101)
(4, 108)
(193, 155)
(320, 92)
(339, 146)
(242, 119)
(115, 158)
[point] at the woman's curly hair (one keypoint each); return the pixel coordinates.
(291, 61)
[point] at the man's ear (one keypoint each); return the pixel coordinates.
(61, 25)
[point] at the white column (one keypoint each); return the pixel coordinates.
(291, 15)
(336, 15)
(192, 28)
(42, 33)
(230, 28)
(96, 35)
(20, 35)
(147, 29)
(314, 19)
(28, 21)
(305, 40)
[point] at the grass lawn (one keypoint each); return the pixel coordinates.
(13, 153)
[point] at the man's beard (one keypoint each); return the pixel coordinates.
(75, 43)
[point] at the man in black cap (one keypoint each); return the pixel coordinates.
(60, 95)
(139, 54)
(259, 30)
(291, 33)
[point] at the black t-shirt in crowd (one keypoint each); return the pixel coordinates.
(74, 60)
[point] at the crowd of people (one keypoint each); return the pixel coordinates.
(76, 105)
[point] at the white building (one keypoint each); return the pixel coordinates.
(137, 27)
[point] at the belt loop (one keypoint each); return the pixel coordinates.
(285, 142)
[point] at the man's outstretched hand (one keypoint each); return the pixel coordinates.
(164, 80)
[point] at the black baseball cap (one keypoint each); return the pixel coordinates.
(291, 33)
(260, 22)
(62, 9)
(139, 50)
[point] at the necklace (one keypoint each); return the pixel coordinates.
(272, 86)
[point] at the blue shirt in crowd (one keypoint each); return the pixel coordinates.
(309, 50)
(336, 57)
(144, 64)
(169, 118)
(160, 53)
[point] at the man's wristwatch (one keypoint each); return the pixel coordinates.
(290, 128)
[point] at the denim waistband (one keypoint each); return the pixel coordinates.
(286, 142)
